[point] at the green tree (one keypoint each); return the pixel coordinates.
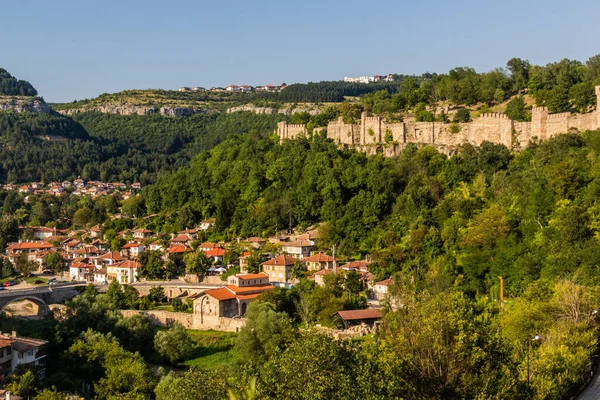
(54, 262)
(515, 109)
(173, 344)
(152, 265)
(265, 334)
(6, 267)
(197, 263)
(195, 384)
(24, 266)
(9, 230)
(462, 115)
(23, 382)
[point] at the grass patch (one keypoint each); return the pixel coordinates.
(31, 279)
(213, 349)
(166, 307)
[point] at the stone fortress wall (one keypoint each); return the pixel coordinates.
(373, 132)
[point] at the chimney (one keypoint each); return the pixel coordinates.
(7, 395)
(14, 334)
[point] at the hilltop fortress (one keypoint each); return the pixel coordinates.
(373, 134)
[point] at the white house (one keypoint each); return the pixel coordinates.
(15, 351)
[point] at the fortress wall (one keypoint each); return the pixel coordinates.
(290, 131)
(419, 132)
(444, 137)
(584, 122)
(396, 130)
(557, 124)
(343, 133)
(371, 130)
(539, 118)
(522, 133)
(492, 127)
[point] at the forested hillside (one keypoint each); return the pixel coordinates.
(110, 147)
(482, 213)
(11, 86)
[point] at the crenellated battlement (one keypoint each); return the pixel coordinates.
(496, 115)
(492, 127)
(560, 116)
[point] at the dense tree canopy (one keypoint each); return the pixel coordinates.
(11, 86)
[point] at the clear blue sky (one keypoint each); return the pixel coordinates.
(75, 49)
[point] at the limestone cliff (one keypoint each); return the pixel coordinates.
(287, 109)
(23, 104)
(132, 109)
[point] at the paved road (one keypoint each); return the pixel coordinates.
(592, 392)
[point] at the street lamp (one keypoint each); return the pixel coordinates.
(529, 343)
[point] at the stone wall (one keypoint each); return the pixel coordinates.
(190, 321)
(374, 135)
(290, 131)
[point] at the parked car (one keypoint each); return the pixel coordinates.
(47, 272)
(2, 288)
(8, 283)
(38, 282)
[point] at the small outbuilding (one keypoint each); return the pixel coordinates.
(369, 317)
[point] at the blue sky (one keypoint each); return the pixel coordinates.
(75, 49)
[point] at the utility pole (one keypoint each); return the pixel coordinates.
(501, 292)
(334, 260)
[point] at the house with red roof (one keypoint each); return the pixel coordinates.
(132, 249)
(232, 300)
(318, 262)
(216, 254)
(142, 233)
(279, 270)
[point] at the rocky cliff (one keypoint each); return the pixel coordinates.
(23, 104)
(132, 109)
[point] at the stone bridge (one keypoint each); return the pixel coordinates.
(41, 296)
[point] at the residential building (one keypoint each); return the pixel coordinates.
(16, 351)
(380, 289)
(299, 248)
(233, 299)
(207, 224)
(279, 270)
(132, 249)
(126, 271)
(256, 242)
(216, 254)
(142, 233)
(318, 262)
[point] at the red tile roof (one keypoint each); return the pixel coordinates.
(354, 315)
(260, 275)
(385, 282)
(178, 248)
(30, 246)
(112, 255)
(220, 294)
(281, 260)
(216, 252)
(320, 257)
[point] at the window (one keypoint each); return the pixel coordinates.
(8, 350)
